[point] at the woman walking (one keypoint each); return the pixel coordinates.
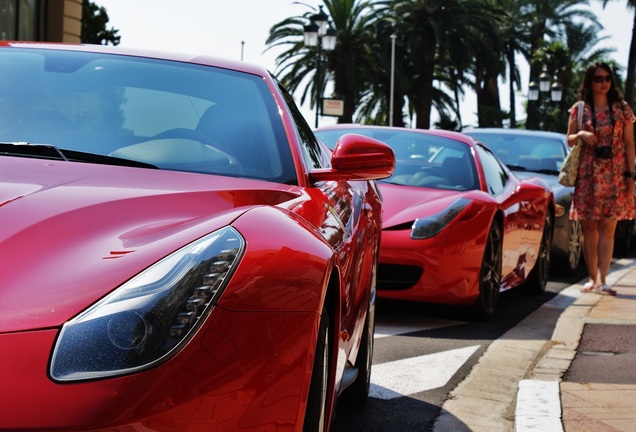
(604, 190)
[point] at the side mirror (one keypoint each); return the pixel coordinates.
(357, 157)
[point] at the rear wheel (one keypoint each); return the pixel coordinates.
(568, 263)
(575, 246)
(623, 237)
(538, 279)
(489, 275)
(316, 413)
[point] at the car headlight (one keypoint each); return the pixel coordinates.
(152, 315)
(430, 226)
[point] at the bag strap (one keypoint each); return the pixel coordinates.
(579, 112)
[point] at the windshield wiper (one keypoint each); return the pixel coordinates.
(24, 149)
(48, 151)
(547, 171)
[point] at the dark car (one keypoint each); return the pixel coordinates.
(179, 252)
(531, 153)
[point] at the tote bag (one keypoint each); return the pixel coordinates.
(570, 167)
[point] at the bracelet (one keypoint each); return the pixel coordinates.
(630, 174)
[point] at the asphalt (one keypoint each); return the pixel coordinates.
(569, 366)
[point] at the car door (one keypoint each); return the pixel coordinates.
(522, 219)
(351, 226)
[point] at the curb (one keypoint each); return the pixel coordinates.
(515, 385)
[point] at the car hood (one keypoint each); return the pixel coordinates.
(72, 232)
(404, 204)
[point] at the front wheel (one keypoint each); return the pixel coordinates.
(358, 392)
(489, 275)
(316, 413)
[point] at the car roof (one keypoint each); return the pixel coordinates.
(207, 60)
(507, 131)
(438, 132)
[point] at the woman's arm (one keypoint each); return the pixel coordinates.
(574, 134)
(628, 141)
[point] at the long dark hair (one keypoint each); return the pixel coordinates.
(585, 91)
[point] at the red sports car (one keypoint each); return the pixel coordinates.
(179, 252)
(458, 226)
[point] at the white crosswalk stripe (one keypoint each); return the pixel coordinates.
(414, 375)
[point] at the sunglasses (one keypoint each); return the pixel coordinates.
(602, 78)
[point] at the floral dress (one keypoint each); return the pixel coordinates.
(600, 191)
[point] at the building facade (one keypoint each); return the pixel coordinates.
(41, 20)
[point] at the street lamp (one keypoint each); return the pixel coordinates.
(544, 82)
(545, 85)
(556, 92)
(319, 33)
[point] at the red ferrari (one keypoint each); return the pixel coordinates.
(179, 252)
(458, 226)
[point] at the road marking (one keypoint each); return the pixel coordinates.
(406, 377)
(538, 406)
(399, 324)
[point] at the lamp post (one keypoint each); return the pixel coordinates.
(545, 85)
(319, 33)
(392, 92)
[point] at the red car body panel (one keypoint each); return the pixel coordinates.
(74, 232)
(450, 261)
(223, 380)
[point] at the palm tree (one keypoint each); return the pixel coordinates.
(631, 61)
(439, 36)
(349, 64)
(375, 104)
(374, 107)
(514, 39)
(549, 20)
(354, 62)
(570, 57)
(582, 42)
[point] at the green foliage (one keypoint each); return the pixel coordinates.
(441, 47)
(94, 21)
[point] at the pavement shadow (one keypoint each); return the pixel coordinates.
(395, 415)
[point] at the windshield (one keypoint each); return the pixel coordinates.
(424, 160)
(523, 152)
(166, 114)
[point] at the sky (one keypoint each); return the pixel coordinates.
(238, 30)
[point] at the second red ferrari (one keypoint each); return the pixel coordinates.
(458, 226)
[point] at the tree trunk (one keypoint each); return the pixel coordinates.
(631, 65)
(511, 84)
(488, 105)
(425, 97)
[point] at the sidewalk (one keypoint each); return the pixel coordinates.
(591, 359)
(569, 366)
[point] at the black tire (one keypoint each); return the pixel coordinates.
(623, 238)
(489, 276)
(568, 264)
(575, 247)
(358, 392)
(316, 413)
(538, 280)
